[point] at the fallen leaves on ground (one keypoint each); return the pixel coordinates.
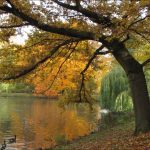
(116, 138)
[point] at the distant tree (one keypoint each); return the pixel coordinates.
(110, 22)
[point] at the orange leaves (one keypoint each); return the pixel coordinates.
(52, 77)
(122, 139)
(58, 73)
(119, 137)
(51, 93)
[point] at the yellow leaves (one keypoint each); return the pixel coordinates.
(64, 77)
(52, 77)
(144, 2)
(74, 25)
(5, 34)
(22, 63)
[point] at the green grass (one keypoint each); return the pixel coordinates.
(25, 95)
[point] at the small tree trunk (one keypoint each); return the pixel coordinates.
(138, 86)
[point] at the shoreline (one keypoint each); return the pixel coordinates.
(103, 139)
(27, 95)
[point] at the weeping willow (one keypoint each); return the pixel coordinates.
(115, 93)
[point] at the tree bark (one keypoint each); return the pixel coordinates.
(139, 91)
(141, 101)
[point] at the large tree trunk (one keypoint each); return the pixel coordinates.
(141, 101)
(135, 74)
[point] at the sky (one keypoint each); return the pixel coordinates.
(21, 38)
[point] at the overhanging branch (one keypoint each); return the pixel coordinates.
(49, 28)
(13, 26)
(67, 56)
(30, 69)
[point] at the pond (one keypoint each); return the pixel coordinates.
(42, 123)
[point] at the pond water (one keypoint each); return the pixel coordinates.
(42, 123)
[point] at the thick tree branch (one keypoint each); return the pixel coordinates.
(93, 16)
(78, 3)
(49, 28)
(126, 39)
(13, 26)
(146, 62)
(30, 69)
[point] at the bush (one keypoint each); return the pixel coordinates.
(114, 118)
(60, 139)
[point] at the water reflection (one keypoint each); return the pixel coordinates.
(41, 123)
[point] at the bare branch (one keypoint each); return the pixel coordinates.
(97, 52)
(81, 87)
(146, 62)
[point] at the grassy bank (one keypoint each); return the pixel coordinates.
(26, 95)
(117, 137)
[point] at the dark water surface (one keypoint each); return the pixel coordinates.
(42, 123)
